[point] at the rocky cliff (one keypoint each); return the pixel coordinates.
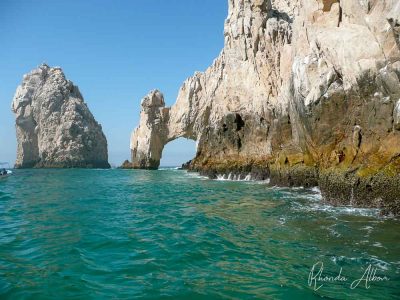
(304, 93)
(55, 128)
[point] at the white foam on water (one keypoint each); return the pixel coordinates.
(316, 189)
(195, 175)
(368, 230)
(229, 177)
(378, 244)
(376, 262)
(239, 177)
(297, 193)
(296, 188)
(373, 260)
(316, 204)
(344, 210)
(248, 177)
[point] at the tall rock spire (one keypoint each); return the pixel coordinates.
(54, 126)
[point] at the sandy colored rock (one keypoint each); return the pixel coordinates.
(54, 126)
(298, 83)
(148, 140)
(396, 116)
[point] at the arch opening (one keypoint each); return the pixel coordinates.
(178, 152)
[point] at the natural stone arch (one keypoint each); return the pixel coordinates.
(156, 129)
(294, 99)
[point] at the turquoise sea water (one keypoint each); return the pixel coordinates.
(126, 234)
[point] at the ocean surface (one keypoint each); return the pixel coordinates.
(168, 234)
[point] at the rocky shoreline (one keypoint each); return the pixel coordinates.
(338, 187)
(293, 97)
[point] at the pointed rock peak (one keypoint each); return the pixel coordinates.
(43, 69)
(154, 99)
(54, 126)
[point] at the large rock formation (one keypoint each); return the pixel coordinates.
(55, 128)
(304, 92)
(149, 139)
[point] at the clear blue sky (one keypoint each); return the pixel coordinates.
(115, 51)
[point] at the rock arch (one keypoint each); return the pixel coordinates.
(158, 126)
(283, 99)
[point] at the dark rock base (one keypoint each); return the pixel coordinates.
(380, 190)
(129, 165)
(65, 165)
(338, 187)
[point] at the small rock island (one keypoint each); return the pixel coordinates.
(55, 128)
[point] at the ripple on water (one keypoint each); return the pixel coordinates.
(141, 234)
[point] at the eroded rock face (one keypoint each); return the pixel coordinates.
(301, 90)
(55, 128)
(148, 140)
